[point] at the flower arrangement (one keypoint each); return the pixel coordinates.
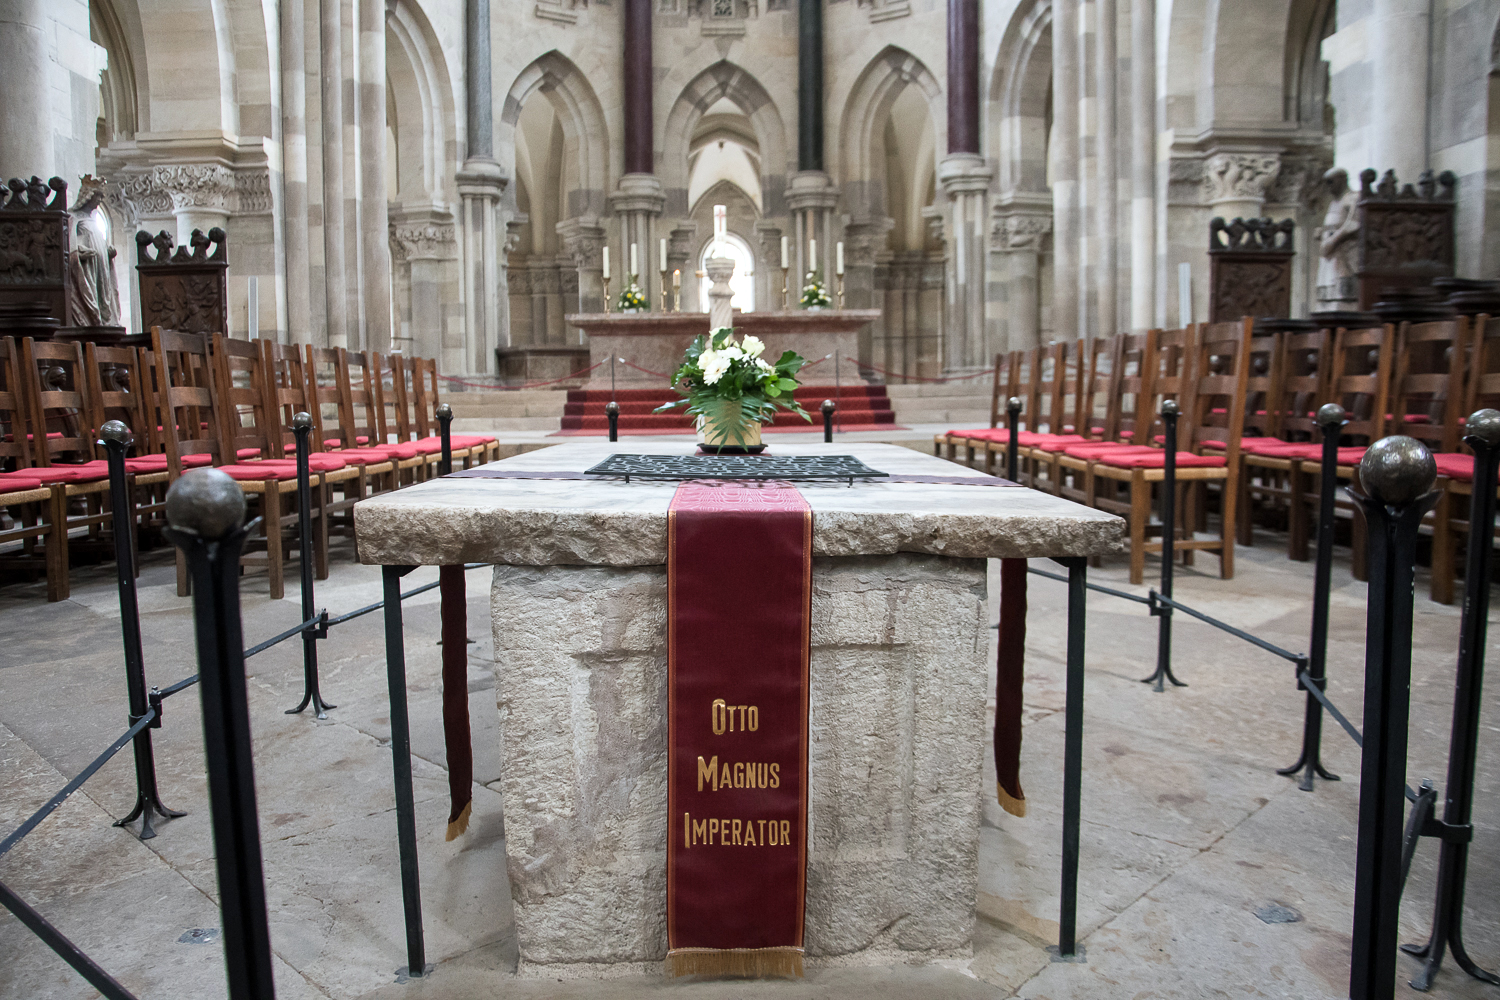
(814, 293)
(731, 388)
(632, 297)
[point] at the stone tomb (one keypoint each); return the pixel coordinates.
(899, 670)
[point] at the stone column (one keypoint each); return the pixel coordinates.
(374, 247)
(638, 202)
(481, 184)
(1398, 92)
(810, 85)
(426, 245)
(331, 76)
(862, 239)
(1017, 235)
(639, 134)
(965, 179)
(26, 143)
(963, 76)
(720, 312)
(201, 194)
(293, 43)
(1065, 63)
(811, 197)
(582, 241)
(1143, 262)
(680, 243)
(1105, 161)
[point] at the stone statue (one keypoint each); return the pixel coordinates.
(1338, 244)
(93, 298)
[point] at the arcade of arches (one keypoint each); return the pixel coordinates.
(442, 175)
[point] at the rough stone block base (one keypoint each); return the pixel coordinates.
(897, 739)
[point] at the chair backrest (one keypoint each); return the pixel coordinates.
(329, 398)
(113, 379)
(1005, 386)
(1301, 384)
(54, 379)
(244, 422)
(1051, 388)
(1262, 383)
(15, 449)
(1095, 359)
(357, 374)
(424, 381)
(1483, 386)
(185, 398)
(1027, 385)
(1427, 385)
(1216, 387)
(1171, 378)
(1359, 379)
(285, 387)
(1132, 372)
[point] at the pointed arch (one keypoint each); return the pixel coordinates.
(1021, 100)
(879, 85)
(724, 81)
(585, 131)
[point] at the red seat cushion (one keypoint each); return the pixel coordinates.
(320, 461)
(86, 472)
(982, 434)
(459, 440)
(365, 456)
(1094, 449)
(259, 471)
(1155, 458)
(406, 450)
(1455, 466)
(246, 454)
(12, 482)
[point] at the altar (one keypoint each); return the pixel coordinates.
(656, 341)
(898, 671)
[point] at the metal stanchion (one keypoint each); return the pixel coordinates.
(828, 407)
(116, 437)
(205, 509)
(1331, 418)
(612, 411)
(1067, 935)
(1012, 456)
(1456, 829)
(444, 414)
(406, 819)
(1399, 473)
(302, 426)
(1163, 612)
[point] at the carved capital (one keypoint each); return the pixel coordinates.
(422, 241)
(582, 239)
(866, 237)
(1018, 232)
(1239, 176)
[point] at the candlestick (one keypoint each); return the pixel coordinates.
(784, 258)
(838, 254)
(841, 289)
(606, 265)
(606, 287)
(663, 299)
(786, 273)
(677, 290)
(635, 269)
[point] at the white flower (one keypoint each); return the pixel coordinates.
(753, 346)
(714, 365)
(732, 352)
(761, 364)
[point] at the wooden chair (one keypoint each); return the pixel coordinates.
(1134, 365)
(946, 445)
(330, 401)
(188, 394)
(1456, 468)
(470, 448)
(27, 501)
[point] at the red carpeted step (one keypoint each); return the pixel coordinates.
(584, 410)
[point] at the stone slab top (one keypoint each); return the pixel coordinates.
(546, 522)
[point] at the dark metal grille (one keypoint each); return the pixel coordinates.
(789, 468)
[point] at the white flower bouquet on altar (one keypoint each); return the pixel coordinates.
(732, 390)
(631, 297)
(814, 293)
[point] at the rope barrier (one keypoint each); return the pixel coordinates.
(516, 388)
(920, 378)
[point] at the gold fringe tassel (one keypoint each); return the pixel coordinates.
(458, 826)
(752, 963)
(1008, 802)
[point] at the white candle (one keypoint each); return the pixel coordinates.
(634, 264)
(677, 279)
(784, 259)
(663, 256)
(838, 254)
(812, 255)
(606, 263)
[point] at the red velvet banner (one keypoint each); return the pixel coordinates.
(1009, 680)
(739, 584)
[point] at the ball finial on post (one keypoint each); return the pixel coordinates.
(1397, 470)
(611, 407)
(1169, 408)
(444, 411)
(1331, 415)
(1484, 425)
(302, 421)
(827, 406)
(206, 503)
(1013, 405)
(115, 432)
